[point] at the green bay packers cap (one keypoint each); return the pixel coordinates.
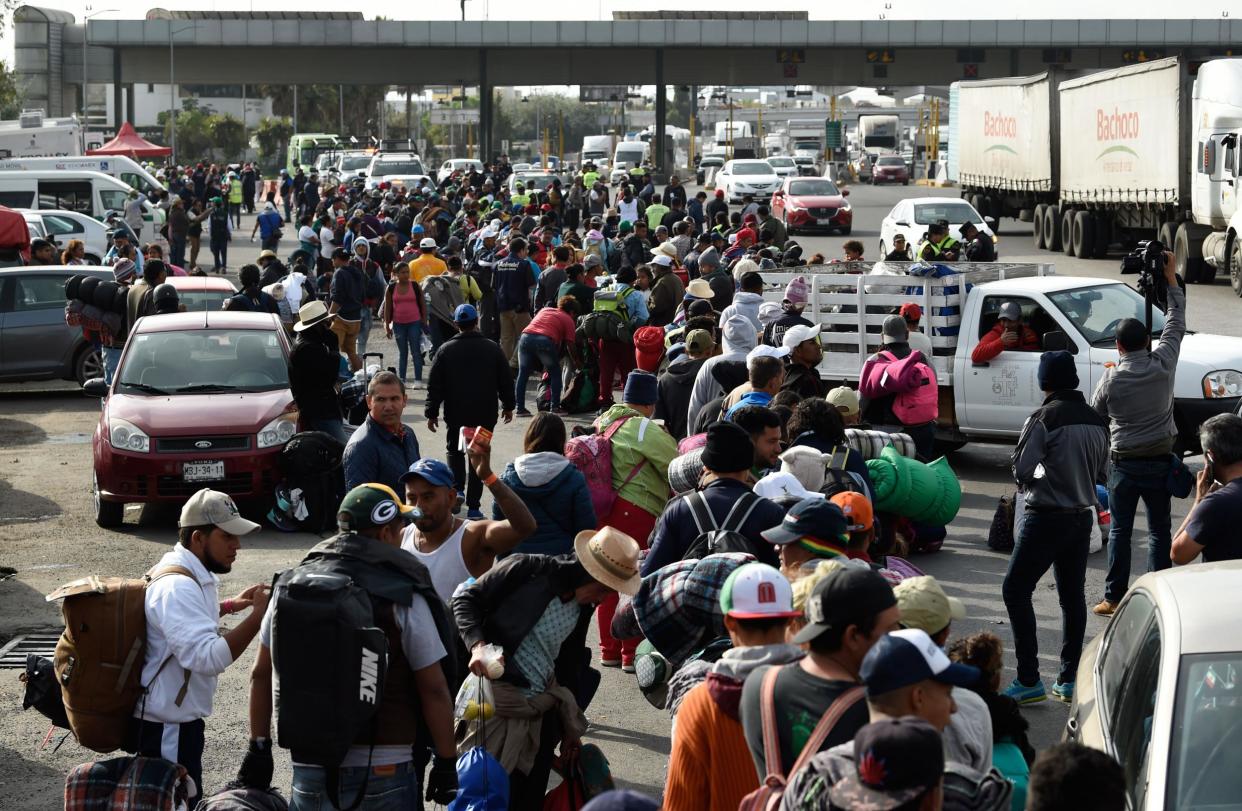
(372, 505)
(757, 591)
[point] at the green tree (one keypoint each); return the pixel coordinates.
(194, 140)
(228, 134)
(319, 107)
(10, 93)
(272, 136)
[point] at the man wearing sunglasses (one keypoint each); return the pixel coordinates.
(805, 353)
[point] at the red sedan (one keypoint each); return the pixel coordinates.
(812, 204)
(199, 399)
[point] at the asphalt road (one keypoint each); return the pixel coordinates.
(48, 535)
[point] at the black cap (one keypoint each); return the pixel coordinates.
(728, 448)
(895, 761)
(847, 596)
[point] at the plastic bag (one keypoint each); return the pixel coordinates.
(475, 700)
(483, 784)
(425, 344)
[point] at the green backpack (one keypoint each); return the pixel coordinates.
(610, 318)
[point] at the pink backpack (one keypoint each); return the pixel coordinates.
(592, 454)
(913, 381)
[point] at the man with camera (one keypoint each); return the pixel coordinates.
(1136, 397)
(1211, 527)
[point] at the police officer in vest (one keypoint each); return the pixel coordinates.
(415, 708)
(938, 246)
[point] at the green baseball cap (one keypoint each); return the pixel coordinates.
(373, 505)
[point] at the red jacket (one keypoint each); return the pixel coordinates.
(991, 345)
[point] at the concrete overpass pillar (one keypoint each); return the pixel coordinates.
(485, 110)
(661, 114)
(118, 91)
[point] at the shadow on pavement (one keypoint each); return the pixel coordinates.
(18, 433)
(22, 507)
(659, 744)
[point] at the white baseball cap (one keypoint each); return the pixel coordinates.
(211, 507)
(780, 483)
(662, 259)
(797, 334)
(765, 351)
(757, 591)
(426, 242)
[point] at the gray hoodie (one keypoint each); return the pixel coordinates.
(746, 304)
(739, 335)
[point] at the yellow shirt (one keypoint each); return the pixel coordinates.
(427, 264)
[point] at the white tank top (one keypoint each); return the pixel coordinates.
(446, 564)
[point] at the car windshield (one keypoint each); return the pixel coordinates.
(804, 160)
(204, 361)
(780, 161)
(1207, 730)
(955, 213)
(891, 161)
(752, 168)
(817, 188)
(352, 163)
(630, 155)
(402, 167)
(1097, 311)
(199, 300)
(535, 181)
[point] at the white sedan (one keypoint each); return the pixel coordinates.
(1161, 689)
(784, 165)
(61, 226)
(739, 178)
(463, 165)
(912, 216)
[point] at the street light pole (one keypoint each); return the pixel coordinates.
(172, 91)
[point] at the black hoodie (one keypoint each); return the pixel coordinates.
(675, 387)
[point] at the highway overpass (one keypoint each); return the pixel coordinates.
(343, 48)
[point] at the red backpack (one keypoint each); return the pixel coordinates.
(592, 454)
(768, 796)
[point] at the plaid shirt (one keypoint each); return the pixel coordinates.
(678, 606)
(130, 783)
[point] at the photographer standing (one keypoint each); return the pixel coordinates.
(1212, 525)
(1136, 397)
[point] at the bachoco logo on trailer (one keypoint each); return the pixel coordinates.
(1000, 126)
(1112, 127)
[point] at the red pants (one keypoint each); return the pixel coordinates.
(613, 357)
(638, 524)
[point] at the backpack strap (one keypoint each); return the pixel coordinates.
(826, 724)
(153, 575)
(771, 743)
(608, 434)
(746, 505)
(836, 460)
(703, 518)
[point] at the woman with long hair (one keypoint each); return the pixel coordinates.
(405, 318)
(74, 253)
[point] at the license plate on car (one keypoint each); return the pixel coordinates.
(825, 220)
(202, 471)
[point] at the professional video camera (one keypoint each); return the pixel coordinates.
(1147, 260)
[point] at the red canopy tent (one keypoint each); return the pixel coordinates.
(129, 143)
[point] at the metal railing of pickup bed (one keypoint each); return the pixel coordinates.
(850, 300)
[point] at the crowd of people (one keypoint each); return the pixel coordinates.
(714, 514)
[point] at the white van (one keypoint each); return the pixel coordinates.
(124, 169)
(91, 193)
(628, 155)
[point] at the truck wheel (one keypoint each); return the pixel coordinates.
(1188, 254)
(1233, 263)
(1067, 231)
(1167, 234)
(1052, 228)
(1083, 234)
(1038, 228)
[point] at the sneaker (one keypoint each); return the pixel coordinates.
(560, 412)
(1104, 608)
(521, 412)
(1022, 694)
(474, 514)
(457, 505)
(1063, 691)
(604, 661)
(627, 667)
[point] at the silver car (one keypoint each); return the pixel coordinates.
(35, 341)
(1160, 689)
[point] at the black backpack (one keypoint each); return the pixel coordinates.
(311, 462)
(714, 539)
(326, 693)
(836, 478)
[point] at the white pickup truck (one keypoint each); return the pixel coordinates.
(991, 401)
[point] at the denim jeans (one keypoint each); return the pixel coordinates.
(465, 480)
(1131, 480)
(1058, 540)
(111, 358)
(389, 788)
(537, 351)
(409, 338)
(176, 251)
(364, 330)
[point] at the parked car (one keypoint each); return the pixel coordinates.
(452, 165)
(910, 218)
(1161, 689)
(199, 293)
(199, 399)
(61, 226)
(806, 165)
(784, 165)
(709, 162)
(890, 169)
(404, 168)
(812, 204)
(35, 341)
(741, 177)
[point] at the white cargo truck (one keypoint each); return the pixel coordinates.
(991, 401)
(596, 149)
(1112, 157)
(879, 134)
(807, 137)
(33, 135)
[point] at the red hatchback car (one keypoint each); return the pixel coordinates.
(812, 204)
(199, 399)
(890, 169)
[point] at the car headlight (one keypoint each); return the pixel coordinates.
(1222, 383)
(846, 207)
(278, 431)
(125, 436)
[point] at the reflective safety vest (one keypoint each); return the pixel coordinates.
(235, 191)
(638, 171)
(519, 199)
(948, 243)
(589, 179)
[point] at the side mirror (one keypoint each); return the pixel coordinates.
(95, 387)
(845, 192)
(1056, 341)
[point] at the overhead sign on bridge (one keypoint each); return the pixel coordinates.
(602, 92)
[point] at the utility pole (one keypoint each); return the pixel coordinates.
(340, 98)
(295, 108)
